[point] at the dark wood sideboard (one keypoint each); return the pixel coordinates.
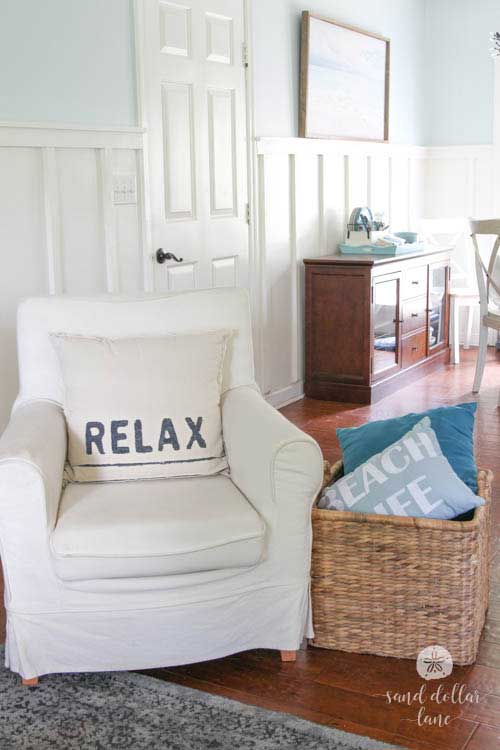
(373, 323)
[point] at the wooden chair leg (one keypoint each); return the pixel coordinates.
(288, 655)
(30, 682)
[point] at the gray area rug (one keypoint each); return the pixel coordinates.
(124, 711)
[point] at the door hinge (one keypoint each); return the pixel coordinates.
(247, 213)
(244, 54)
(371, 365)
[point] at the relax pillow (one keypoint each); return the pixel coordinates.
(453, 425)
(143, 408)
(409, 478)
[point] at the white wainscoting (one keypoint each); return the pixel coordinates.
(460, 182)
(60, 230)
(307, 189)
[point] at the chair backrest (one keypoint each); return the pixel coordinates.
(120, 317)
(449, 231)
(488, 276)
(452, 228)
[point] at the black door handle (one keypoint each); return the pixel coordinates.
(161, 257)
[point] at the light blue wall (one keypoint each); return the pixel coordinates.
(276, 59)
(69, 61)
(73, 61)
(459, 71)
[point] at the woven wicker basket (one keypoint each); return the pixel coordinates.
(389, 585)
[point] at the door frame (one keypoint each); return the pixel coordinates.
(254, 260)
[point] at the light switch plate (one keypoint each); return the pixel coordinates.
(124, 189)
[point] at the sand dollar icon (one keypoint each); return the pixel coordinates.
(434, 663)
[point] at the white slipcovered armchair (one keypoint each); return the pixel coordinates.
(129, 575)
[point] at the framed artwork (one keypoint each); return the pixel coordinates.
(344, 81)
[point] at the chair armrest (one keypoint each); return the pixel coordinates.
(271, 461)
(33, 447)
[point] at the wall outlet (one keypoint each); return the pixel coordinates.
(124, 188)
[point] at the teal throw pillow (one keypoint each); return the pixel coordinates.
(453, 425)
(411, 477)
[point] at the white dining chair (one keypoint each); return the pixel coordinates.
(463, 291)
(488, 282)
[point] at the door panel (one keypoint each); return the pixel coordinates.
(195, 109)
(335, 354)
(224, 271)
(222, 153)
(178, 150)
(175, 29)
(220, 43)
(386, 302)
(438, 298)
(181, 277)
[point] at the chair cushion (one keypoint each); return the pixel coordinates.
(154, 528)
(145, 407)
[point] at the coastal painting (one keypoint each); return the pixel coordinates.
(344, 81)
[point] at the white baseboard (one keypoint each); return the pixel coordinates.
(474, 339)
(288, 395)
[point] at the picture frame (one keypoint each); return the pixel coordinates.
(344, 81)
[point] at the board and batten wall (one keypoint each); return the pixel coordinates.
(307, 189)
(61, 232)
(461, 182)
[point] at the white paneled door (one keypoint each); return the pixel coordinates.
(194, 110)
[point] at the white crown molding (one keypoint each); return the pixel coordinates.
(64, 135)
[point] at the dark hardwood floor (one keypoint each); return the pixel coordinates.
(348, 691)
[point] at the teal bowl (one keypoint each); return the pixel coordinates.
(407, 236)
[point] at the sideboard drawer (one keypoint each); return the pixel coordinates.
(414, 282)
(414, 348)
(414, 314)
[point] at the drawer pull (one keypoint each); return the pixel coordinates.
(415, 282)
(414, 348)
(414, 315)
